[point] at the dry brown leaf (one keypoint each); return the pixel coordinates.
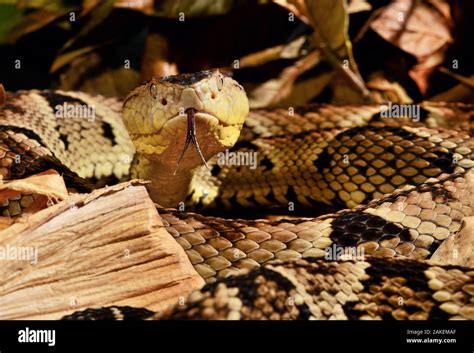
(3, 95)
(444, 8)
(145, 6)
(273, 91)
(420, 29)
(47, 186)
(289, 51)
(48, 183)
(421, 72)
(261, 57)
(413, 26)
(458, 249)
(297, 7)
(355, 6)
(111, 248)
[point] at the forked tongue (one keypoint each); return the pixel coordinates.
(191, 138)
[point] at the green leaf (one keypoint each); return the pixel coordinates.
(16, 22)
(10, 17)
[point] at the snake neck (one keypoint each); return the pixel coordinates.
(167, 188)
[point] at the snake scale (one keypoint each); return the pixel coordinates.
(403, 186)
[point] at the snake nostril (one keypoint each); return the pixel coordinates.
(213, 95)
(164, 101)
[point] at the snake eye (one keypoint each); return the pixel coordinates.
(164, 101)
(153, 90)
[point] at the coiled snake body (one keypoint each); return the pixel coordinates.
(413, 180)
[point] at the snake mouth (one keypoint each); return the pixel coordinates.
(191, 138)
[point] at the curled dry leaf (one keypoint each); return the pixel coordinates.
(42, 188)
(413, 26)
(420, 29)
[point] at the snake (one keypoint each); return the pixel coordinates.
(401, 187)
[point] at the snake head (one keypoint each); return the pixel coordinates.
(163, 116)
